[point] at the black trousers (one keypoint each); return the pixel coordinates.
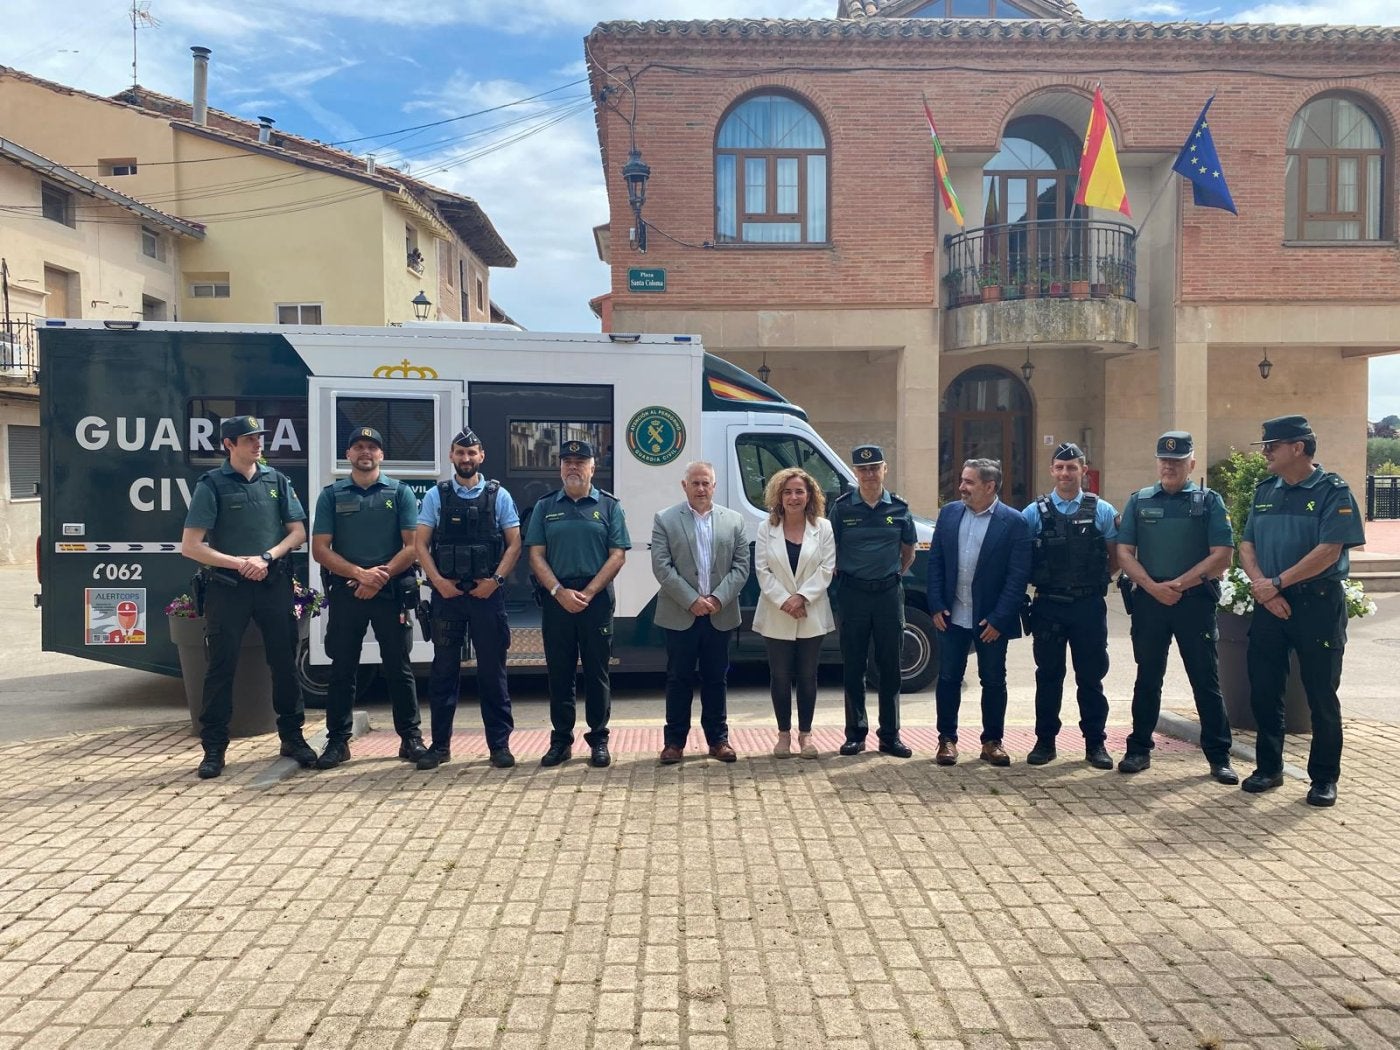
(1191, 622)
(699, 653)
(871, 617)
(793, 663)
(1082, 625)
(954, 645)
(571, 639)
(484, 619)
(227, 610)
(345, 636)
(1317, 631)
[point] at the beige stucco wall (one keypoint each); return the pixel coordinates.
(19, 518)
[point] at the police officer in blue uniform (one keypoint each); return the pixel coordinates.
(578, 541)
(362, 538)
(244, 520)
(1173, 544)
(1294, 551)
(1072, 560)
(874, 534)
(468, 542)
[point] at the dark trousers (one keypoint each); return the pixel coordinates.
(793, 663)
(1317, 631)
(954, 645)
(227, 611)
(345, 636)
(484, 619)
(1082, 624)
(571, 639)
(699, 653)
(1191, 622)
(871, 617)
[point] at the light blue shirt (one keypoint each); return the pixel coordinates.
(1104, 515)
(971, 532)
(430, 508)
(704, 547)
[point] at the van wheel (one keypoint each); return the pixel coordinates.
(918, 654)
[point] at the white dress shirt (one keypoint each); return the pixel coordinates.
(972, 530)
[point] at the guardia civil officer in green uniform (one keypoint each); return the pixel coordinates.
(244, 519)
(875, 536)
(362, 537)
(578, 540)
(1173, 544)
(1294, 551)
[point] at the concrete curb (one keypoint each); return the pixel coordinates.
(283, 767)
(1180, 727)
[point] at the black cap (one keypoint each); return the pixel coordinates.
(581, 449)
(365, 434)
(1069, 450)
(235, 427)
(867, 455)
(466, 437)
(1175, 444)
(1285, 428)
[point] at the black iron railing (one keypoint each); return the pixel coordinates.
(19, 349)
(1382, 497)
(1044, 258)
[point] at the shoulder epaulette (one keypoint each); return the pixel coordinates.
(843, 497)
(608, 495)
(1146, 493)
(1337, 480)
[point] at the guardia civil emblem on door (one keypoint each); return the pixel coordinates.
(655, 435)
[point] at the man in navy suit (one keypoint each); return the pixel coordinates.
(978, 568)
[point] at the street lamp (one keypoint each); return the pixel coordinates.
(421, 305)
(764, 371)
(1265, 366)
(1027, 369)
(636, 172)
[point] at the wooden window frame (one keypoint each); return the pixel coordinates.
(1332, 156)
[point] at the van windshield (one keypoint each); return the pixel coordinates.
(763, 455)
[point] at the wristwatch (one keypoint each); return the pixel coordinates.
(555, 589)
(498, 579)
(1277, 581)
(267, 557)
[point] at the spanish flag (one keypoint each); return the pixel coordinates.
(1100, 178)
(940, 163)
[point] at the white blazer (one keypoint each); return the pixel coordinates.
(777, 582)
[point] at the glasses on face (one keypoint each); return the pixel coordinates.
(1270, 446)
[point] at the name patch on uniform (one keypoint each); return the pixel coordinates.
(555, 516)
(850, 521)
(1151, 512)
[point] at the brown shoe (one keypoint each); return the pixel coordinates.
(671, 754)
(993, 752)
(723, 752)
(947, 753)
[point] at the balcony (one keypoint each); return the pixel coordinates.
(1066, 282)
(19, 350)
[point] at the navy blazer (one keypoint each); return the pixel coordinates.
(1003, 567)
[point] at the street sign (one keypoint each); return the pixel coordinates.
(640, 280)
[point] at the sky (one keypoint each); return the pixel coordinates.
(358, 72)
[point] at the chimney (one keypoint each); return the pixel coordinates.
(265, 129)
(201, 85)
(369, 163)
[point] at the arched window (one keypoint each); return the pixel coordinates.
(986, 413)
(1334, 175)
(770, 174)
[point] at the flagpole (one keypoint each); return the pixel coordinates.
(1153, 206)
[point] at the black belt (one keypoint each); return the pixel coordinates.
(1068, 596)
(871, 586)
(574, 583)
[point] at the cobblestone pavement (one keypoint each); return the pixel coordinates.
(862, 902)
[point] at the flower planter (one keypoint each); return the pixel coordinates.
(991, 293)
(1079, 289)
(252, 683)
(1234, 679)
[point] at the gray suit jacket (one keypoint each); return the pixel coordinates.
(676, 567)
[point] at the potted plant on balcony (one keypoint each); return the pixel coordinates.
(1013, 286)
(952, 284)
(1115, 274)
(1030, 282)
(1078, 280)
(989, 279)
(415, 261)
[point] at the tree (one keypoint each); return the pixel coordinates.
(1381, 450)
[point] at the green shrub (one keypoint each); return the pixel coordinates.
(1381, 451)
(1236, 478)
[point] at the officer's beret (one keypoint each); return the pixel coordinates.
(1285, 428)
(235, 427)
(1175, 444)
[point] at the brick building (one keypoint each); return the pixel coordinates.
(793, 202)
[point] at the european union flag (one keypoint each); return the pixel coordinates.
(1199, 162)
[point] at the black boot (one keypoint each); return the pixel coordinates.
(336, 752)
(296, 747)
(412, 749)
(213, 763)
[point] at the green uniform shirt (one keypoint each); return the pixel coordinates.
(1169, 538)
(1287, 521)
(366, 525)
(577, 534)
(249, 520)
(868, 539)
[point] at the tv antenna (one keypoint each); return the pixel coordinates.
(141, 18)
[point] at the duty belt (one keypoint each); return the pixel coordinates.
(1069, 596)
(870, 586)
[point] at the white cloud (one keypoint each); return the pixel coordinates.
(1355, 12)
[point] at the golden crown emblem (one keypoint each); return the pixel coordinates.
(1171, 444)
(405, 370)
(573, 446)
(865, 453)
(252, 422)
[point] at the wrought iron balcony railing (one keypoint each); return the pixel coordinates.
(1043, 258)
(19, 350)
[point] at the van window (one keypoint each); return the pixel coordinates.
(409, 426)
(763, 455)
(284, 417)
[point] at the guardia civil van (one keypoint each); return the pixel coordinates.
(130, 412)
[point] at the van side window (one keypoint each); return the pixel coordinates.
(763, 455)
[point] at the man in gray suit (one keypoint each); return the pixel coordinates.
(700, 557)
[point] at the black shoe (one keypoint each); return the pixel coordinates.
(434, 757)
(411, 749)
(296, 747)
(852, 747)
(1257, 782)
(600, 757)
(501, 758)
(1135, 762)
(1043, 752)
(556, 754)
(1098, 757)
(896, 747)
(213, 763)
(336, 752)
(1222, 773)
(1323, 793)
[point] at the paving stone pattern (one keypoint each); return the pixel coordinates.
(862, 902)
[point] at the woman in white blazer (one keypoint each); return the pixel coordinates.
(794, 558)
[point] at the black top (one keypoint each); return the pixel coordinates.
(794, 552)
